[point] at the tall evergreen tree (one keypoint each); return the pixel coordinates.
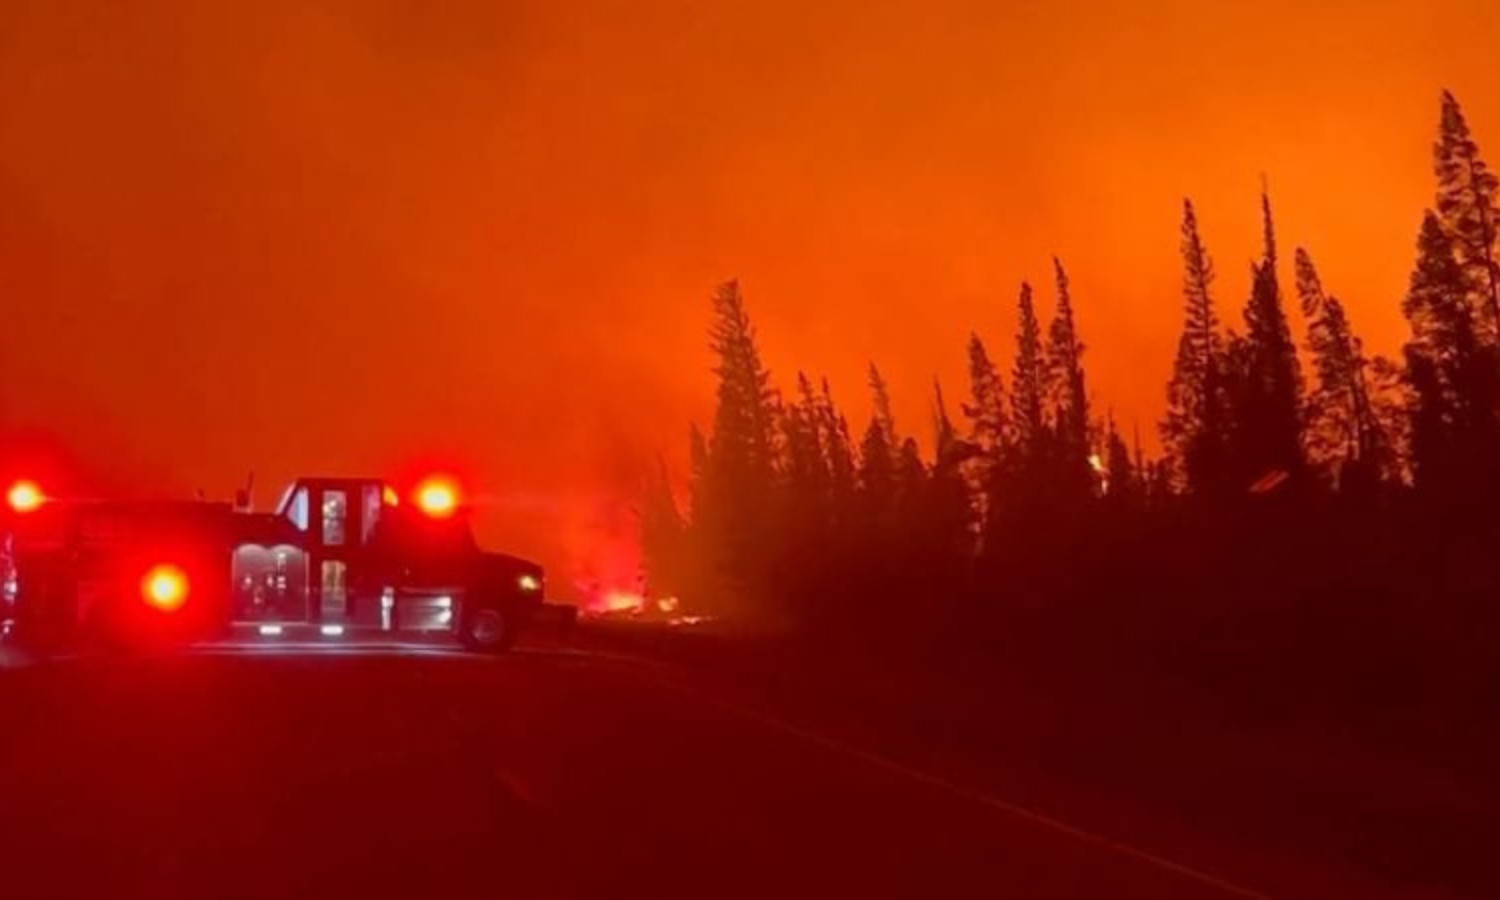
(1344, 431)
(805, 535)
(878, 450)
(833, 433)
(911, 481)
(990, 439)
(697, 472)
(876, 473)
(1196, 424)
(1029, 383)
(739, 478)
(881, 396)
(1120, 477)
(1468, 205)
(1070, 401)
(874, 531)
(1452, 373)
(945, 436)
(951, 512)
(665, 554)
(1268, 402)
(700, 538)
(743, 447)
(989, 424)
(804, 460)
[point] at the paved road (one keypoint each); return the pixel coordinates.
(439, 775)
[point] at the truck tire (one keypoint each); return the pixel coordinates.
(488, 630)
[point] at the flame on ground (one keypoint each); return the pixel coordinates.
(621, 603)
(618, 601)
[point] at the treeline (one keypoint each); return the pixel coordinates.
(1031, 487)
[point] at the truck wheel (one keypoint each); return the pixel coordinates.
(488, 631)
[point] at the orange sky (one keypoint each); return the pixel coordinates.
(341, 236)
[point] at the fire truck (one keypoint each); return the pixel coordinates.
(340, 560)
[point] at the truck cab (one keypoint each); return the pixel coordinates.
(348, 556)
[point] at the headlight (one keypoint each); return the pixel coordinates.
(529, 583)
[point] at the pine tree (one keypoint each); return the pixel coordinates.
(806, 464)
(989, 425)
(665, 555)
(911, 481)
(1467, 208)
(951, 513)
(1029, 383)
(1391, 401)
(739, 478)
(990, 439)
(878, 451)
(743, 445)
(1452, 374)
(1344, 432)
(1196, 424)
(1267, 405)
(1120, 477)
(811, 406)
(805, 523)
(701, 536)
(1070, 402)
(698, 472)
(946, 446)
(876, 473)
(881, 396)
(833, 434)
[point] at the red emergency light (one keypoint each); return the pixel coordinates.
(437, 497)
(165, 587)
(25, 496)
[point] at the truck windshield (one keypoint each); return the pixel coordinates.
(294, 507)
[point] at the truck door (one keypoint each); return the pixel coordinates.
(346, 586)
(329, 532)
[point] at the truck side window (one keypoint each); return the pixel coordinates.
(335, 515)
(296, 509)
(371, 512)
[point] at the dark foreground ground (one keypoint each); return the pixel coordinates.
(546, 773)
(1291, 795)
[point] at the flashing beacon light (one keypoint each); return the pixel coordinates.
(389, 497)
(25, 496)
(165, 587)
(437, 497)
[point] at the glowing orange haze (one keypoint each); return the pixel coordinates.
(353, 236)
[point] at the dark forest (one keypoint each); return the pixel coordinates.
(1320, 528)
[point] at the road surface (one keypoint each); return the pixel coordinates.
(543, 774)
